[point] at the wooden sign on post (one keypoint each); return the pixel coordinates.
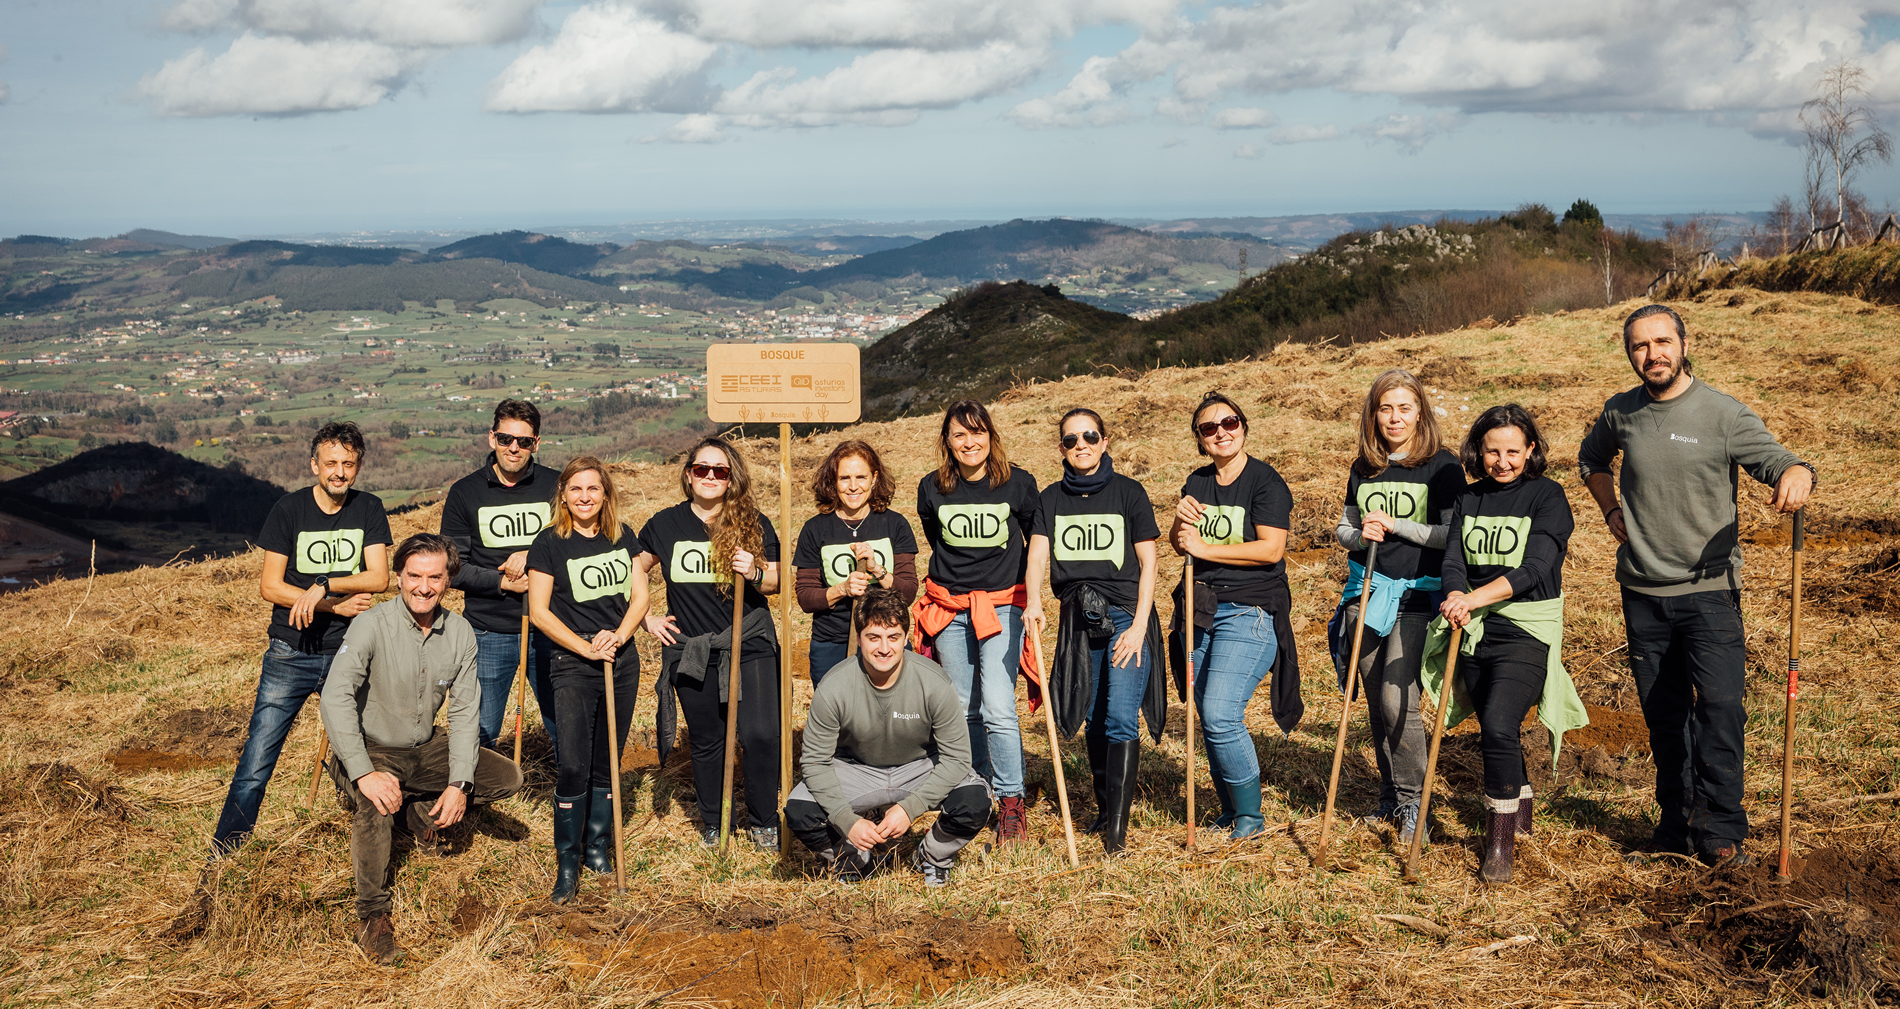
(786, 383)
(809, 383)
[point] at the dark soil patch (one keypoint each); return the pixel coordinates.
(753, 955)
(469, 915)
(67, 787)
(1828, 932)
(187, 739)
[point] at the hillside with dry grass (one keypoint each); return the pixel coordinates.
(123, 701)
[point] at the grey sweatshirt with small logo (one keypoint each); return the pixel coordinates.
(916, 717)
(1679, 483)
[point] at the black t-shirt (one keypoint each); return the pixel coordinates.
(1092, 537)
(679, 539)
(1228, 515)
(1423, 495)
(825, 544)
(488, 520)
(1519, 531)
(593, 578)
(320, 544)
(977, 534)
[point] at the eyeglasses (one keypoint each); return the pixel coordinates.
(702, 470)
(1092, 437)
(1231, 422)
(527, 441)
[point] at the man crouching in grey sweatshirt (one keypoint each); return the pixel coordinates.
(886, 741)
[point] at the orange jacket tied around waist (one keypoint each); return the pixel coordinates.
(937, 606)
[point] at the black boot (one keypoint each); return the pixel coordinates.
(1500, 837)
(1098, 768)
(570, 817)
(1524, 826)
(600, 830)
(1124, 761)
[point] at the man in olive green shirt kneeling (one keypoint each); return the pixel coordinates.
(399, 662)
(886, 741)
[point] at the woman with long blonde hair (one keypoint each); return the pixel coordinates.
(583, 596)
(711, 544)
(1399, 494)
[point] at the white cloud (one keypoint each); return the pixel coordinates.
(1411, 133)
(608, 57)
(1085, 102)
(261, 75)
(899, 24)
(885, 87)
(427, 23)
(1304, 134)
(698, 128)
(1243, 118)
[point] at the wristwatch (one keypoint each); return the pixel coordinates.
(322, 581)
(467, 787)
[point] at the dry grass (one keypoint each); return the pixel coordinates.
(98, 861)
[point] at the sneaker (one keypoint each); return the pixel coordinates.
(1726, 854)
(934, 875)
(1406, 817)
(765, 839)
(849, 866)
(709, 836)
(1386, 813)
(1012, 819)
(377, 937)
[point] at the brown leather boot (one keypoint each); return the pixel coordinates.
(377, 936)
(1500, 837)
(1524, 826)
(1012, 819)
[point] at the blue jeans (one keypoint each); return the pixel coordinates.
(1119, 690)
(287, 679)
(824, 655)
(1230, 660)
(496, 657)
(996, 738)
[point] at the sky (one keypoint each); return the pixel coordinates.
(250, 117)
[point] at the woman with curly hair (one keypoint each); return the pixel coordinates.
(705, 546)
(583, 596)
(855, 541)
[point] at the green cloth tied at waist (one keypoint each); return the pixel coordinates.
(1560, 709)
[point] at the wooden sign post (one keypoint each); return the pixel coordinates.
(804, 383)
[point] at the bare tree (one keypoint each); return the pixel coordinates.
(1692, 240)
(1842, 130)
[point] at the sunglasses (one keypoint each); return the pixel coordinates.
(527, 441)
(702, 470)
(1092, 437)
(1231, 422)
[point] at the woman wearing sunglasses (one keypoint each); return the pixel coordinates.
(1233, 519)
(976, 510)
(583, 596)
(855, 541)
(1399, 494)
(1094, 535)
(703, 546)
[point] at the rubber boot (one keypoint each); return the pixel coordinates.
(570, 818)
(600, 830)
(1226, 797)
(1124, 762)
(1500, 837)
(1098, 767)
(1246, 806)
(1524, 827)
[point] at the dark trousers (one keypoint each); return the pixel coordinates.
(1505, 677)
(758, 738)
(580, 715)
(823, 655)
(424, 773)
(1689, 657)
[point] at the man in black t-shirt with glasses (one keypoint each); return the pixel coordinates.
(492, 515)
(326, 555)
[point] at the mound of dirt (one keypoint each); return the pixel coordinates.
(758, 956)
(1828, 932)
(185, 740)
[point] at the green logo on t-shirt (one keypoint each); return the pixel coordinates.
(1223, 524)
(600, 575)
(511, 525)
(1090, 538)
(1400, 500)
(838, 562)
(1496, 540)
(333, 551)
(975, 525)
(692, 562)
